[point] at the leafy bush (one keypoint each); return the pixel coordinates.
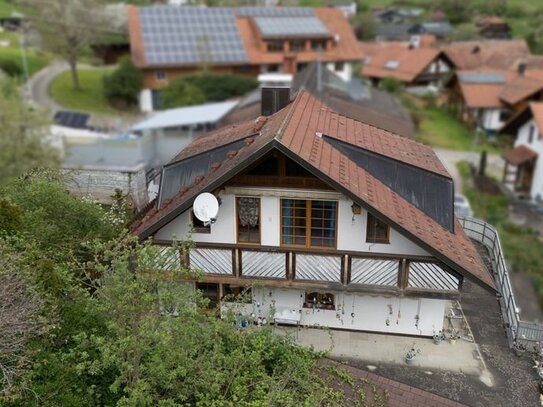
(195, 89)
(10, 217)
(457, 11)
(10, 68)
(123, 86)
(391, 84)
(181, 92)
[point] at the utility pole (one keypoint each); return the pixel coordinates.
(22, 45)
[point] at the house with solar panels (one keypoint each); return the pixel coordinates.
(486, 98)
(318, 220)
(168, 41)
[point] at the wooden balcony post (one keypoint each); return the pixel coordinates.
(403, 274)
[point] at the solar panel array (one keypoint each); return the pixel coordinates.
(74, 120)
(275, 12)
(190, 35)
(291, 27)
(482, 77)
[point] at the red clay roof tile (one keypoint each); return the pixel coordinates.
(297, 130)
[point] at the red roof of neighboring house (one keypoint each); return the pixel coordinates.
(537, 112)
(483, 93)
(519, 88)
(297, 132)
(244, 29)
(397, 59)
(491, 20)
(499, 54)
(519, 155)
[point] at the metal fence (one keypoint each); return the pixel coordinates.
(520, 333)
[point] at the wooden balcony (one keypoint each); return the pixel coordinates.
(344, 271)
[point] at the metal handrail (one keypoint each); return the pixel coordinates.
(486, 234)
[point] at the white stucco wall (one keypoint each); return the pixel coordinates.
(370, 312)
(523, 138)
(489, 119)
(346, 73)
(351, 230)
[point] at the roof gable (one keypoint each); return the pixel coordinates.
(297, 131)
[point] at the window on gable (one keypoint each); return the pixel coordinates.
(297, 46)
(308, 223)
(377, 231)
(198, 225)
(248, 218)
(275, 46)
(160, 75)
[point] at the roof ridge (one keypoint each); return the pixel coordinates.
(292, 108)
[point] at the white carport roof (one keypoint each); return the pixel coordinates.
(184, 116)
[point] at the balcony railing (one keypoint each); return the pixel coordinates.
(390, 273)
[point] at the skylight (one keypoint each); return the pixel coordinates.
(392, 64)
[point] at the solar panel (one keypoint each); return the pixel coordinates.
(75, 120)
(482, 77)
(291, 27)
(190, 35)
(275, 12)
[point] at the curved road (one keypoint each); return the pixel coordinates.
(37, 87)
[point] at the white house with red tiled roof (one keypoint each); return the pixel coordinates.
(323, 220)
(523, 171)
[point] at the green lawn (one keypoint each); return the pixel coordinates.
(90, 98)
(6, 8)
(439, 128)
(35, 60)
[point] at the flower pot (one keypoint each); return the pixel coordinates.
(452, 341)
(437, 340)
(409, 360)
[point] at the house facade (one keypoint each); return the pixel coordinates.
(323, 221)
(523, 170)
(243, 40)
(414, 65)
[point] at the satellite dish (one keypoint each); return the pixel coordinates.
(206, 208)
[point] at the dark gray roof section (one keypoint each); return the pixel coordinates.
(393, 31)
(183, 173)
(437, 28)
(275, 12)
(190, 35)
(431, 193)
(274, 27)
(482, 77)
(75, 120)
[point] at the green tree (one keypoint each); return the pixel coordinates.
(180, 92)
(123, 86)
(364, 26)
(221, 87)
(457, 11)
(23, 135)
(66, 27)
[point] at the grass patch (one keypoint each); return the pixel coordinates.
(439, 128)
(521, 246)
(90, 98)
(6, 8)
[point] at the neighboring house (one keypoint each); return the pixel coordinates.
(412, 64)
(323, 221)
(439, 29)
(523, 171)
(497, 54)
(393, 32)
(243, 40)
(493, 27)
(396, 15)
(486, 98)
(355, 99)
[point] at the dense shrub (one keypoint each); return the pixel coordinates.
(391, 84)
(123, 86)
(10, 68)
(199, 88)
(181, 92)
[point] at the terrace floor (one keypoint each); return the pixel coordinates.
(480, 374)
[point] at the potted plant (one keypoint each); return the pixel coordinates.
(410, 356)
(439, 337)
